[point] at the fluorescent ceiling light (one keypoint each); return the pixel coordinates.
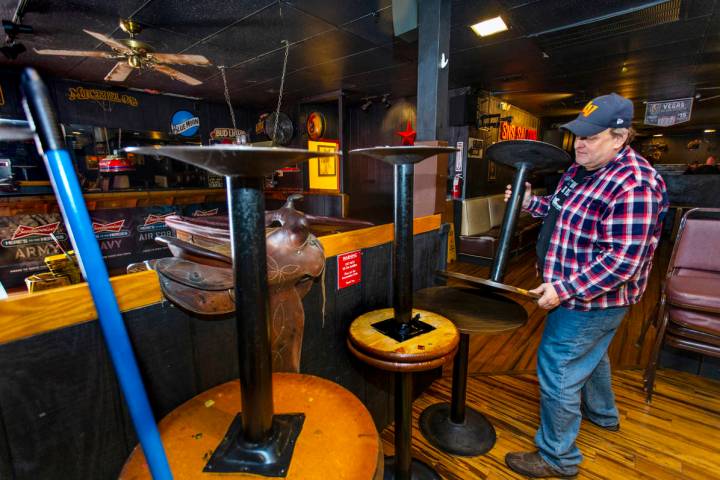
(658, 135)
(489, 27)
(709, 130)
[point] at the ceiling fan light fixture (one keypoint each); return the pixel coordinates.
(134, 61)
(132, 54)
(489, 27)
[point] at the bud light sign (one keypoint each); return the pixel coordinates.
(184, 123)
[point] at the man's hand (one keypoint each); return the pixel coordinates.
(549, 298)
(526, 197)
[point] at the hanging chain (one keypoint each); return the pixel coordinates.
(227, 96)
(280, 94)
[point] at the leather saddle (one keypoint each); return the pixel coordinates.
(198, 278)
(213, 233)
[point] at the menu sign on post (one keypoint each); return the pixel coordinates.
(349, 269)
(668, 112)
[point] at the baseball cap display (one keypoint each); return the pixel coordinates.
(601, 113)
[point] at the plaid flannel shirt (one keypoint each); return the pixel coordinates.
(601, 249)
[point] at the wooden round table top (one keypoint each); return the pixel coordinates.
(428, 346)
(338, 439)
(473, 310)
(404, 367)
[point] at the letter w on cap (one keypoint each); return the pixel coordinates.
(589, 108)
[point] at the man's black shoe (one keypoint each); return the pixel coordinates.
(611, 428)
(532, 465)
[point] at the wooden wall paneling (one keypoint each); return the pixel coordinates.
(215, 355)
(6, 468)
(318, 351)
(163, 348)
(377, 293)
(61, 406)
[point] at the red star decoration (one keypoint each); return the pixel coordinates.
(408, 136)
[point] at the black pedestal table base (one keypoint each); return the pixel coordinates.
(271, 459)
(474, 436)
(418, 470)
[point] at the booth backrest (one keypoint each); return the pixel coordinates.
(698, 248)
(496, 204)
(475, 216)
(480, 214)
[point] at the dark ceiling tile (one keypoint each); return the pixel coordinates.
(327, 47)
(199, 19)
(377, 28)
(536, 17)
(350, 9)
(265, 30)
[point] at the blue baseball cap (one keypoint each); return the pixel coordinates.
(601, 113)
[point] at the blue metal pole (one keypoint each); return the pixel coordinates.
(77, 220)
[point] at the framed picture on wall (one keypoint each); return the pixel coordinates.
(326, 165)
(475, 148)
(324, 171)
(492, 171)
(91, 162)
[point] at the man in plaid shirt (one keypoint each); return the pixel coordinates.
(595, 249)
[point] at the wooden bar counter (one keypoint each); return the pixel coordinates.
(19, 204)
(61, 412)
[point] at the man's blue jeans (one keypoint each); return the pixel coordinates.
(574, 374)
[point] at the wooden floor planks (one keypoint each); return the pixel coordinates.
(676, 437)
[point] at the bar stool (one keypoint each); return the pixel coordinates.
(290, 425)
(454, 428)
(402, 339)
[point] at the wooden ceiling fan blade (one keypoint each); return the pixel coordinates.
(180, 59)
(108, 41)
(119, 72)
(75, 53)
(179, 76)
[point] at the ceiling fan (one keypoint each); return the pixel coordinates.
(132, 53)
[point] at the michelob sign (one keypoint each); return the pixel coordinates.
(184, 123)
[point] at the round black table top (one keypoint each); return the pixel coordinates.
(403, 155)
(486, 282)
(472, 310)
(234, 160)
(540, 156)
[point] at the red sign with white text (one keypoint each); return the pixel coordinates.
(349, 269)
